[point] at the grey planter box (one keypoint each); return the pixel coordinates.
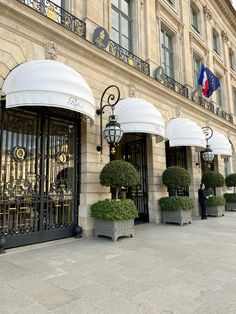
(215, 211)
(177, 216)
(114, 229)
(231, 206)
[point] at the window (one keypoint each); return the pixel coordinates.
(234, 99)
(219, 95)
(60, 3)
(231, 59)
(121, 23)
(167, 53)
(196, 70)
(172, 2)
(216, 42)
(195, 17)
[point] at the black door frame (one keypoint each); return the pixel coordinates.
(139, 193)
(13, 240)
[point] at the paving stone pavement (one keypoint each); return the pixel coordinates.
(164, 269)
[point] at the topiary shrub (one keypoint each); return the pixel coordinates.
(117, 174)
(230, 181)
(213, 201)
(114, 210)
(176, 177)
(213, 179)
(230, 197)
(176, 203)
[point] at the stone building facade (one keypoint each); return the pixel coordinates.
(151, 50)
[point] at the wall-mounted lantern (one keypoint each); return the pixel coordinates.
(208, 154)
(112, 132)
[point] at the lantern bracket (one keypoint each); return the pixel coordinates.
(112, 93)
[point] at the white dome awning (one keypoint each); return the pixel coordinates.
(48, 83)
(184, 132)
(220, 145)
(136, 115)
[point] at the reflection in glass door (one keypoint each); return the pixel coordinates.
(38, 177)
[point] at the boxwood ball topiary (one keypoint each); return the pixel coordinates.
(176, 203)
(215, 201)
(230, 180)
(213, 179)
(176, 177)
(119, 173)
(114, 210)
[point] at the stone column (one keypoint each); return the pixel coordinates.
(185, 41)
(150, 35)
(156, 165)
(228, 90)
(94, 17)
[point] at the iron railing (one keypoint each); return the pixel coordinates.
(174, 85)
(72, 23)
(128, 57)
(203, 103)
(211, 107)
(58, 15)
(224, 115)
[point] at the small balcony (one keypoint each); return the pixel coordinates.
(128, 57)
(174, 85)
(58, 15)
(211, 107)
(75, 25)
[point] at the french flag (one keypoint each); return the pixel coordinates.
(208, 80)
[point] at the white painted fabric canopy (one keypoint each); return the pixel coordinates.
(48, 83)
(184, 132)
(220, 145)
(139, 116)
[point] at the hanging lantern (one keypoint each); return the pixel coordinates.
(112, 132)
(208, 155)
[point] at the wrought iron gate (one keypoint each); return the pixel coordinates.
(38, 177)
(135, 153)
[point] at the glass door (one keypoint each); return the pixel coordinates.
(38, 177)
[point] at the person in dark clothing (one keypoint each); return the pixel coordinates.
(202, 200)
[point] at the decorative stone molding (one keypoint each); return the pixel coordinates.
(131, 90)
(227, 12)
(177, 111)
(225, 36)
(195, 96)
(207, 12)
(50, 50)
(207, 123)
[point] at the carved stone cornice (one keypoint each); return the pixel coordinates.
(230, 14)
(207, 12)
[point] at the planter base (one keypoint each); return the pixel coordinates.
(114, 229)
(215, 211)
(231, 206)
(177, 216)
